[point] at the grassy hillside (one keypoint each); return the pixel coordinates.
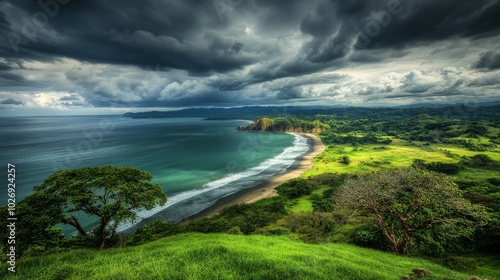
(223, 256)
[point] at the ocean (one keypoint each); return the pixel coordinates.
(196, 161)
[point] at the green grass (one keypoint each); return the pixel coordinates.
(303, 204)
(399, 153)
(477, 174)
(464, 152)
(223, 256)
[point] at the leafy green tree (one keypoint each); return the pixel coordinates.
(409, 202)
(481, 160)
(36, 216)
(112, 194)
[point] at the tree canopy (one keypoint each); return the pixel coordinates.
(111, 194)
(407, 202)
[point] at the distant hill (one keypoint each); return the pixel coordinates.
(458, 111)
(228, 113)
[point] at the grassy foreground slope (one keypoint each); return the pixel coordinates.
(224, 256)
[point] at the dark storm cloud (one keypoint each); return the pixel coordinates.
(132, 32)
(486, 21)
(278, 16)
(488, 60)
(427, 20)
(7, 78)
(183, 34)
(362, 28)
(4, 24)
(5, 66)
(11, 102)
(222, 51)
(391, 24)
(398, 23)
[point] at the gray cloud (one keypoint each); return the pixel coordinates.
(11, 101)
(488, 60)
(5, 66)
(69, 98)
(289, 93)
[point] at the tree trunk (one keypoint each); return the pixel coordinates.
(103, 244)
(390, 235)
(102, 233)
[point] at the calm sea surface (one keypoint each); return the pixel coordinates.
(196, 161)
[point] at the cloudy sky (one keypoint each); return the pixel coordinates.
(75, 56)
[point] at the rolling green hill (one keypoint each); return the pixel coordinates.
(224, 256)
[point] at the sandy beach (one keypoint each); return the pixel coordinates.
(267, 189)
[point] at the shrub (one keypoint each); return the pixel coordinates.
(148, 232)
(248, 217)
(345, 160)
(294, 188)
(494, 181)
(311, 227)
(206, 225)
(236, 230)
(370, 237)
(321, 204)
(273, 230)
(446, 168)
(480, 161)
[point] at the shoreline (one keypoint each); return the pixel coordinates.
(266, 189)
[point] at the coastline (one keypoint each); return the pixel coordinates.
(266, 189)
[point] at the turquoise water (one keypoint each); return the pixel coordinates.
(196, 161)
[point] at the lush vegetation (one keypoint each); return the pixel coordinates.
(110, 194)
(408, 204)
(423, 182)
(225, 256)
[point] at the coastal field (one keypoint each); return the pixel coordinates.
(399, 153)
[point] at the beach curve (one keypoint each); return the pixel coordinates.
(268, 188)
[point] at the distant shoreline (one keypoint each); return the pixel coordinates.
(267, 188)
